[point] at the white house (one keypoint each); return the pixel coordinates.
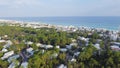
(73, 44)
(101, 35)
(63, 49)
(68, 46)
(54, 55)
(24, 65)
(73, 60)
(4, 50)
(74, 40)
(113, 36)
(58, 47)
(29, 50)
(10, 59)
(7, 44)
(48, 46)
(115, 47)
(97, 46)
(8, 54)
(29, 43)
(76, 53)
(42, 46)
(13, 64)
(83, 38)
(38, 44)
(116, 43)
(62, 66)
(5, 35)
(1, 41)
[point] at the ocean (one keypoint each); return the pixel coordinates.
(107, 22)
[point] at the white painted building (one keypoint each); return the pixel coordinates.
(4, 50)
(1, 41)
(13, 64)
(58, 46)
(83, 38)
(68, 46)
(97, 46)
(76, 53)
(62, 66)
(10, 59)
(29, 50)
(29, 43)
(38, 44)
(5, 35)
(63, 49)
(73, 60)
(115, 47)
(48, 46)
(8, 54)
(73, 44)
(8, 44)
(113, 36)
(24, 65)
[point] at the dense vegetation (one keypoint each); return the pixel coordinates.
(86, 59)
(89, 56)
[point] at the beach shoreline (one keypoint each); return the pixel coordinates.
(42, 24)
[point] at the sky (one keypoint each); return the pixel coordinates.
(45, 8)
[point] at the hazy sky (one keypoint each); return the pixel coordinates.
(24, 8)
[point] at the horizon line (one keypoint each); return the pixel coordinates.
(53, 16)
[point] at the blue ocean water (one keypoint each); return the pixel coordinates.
(107, 22)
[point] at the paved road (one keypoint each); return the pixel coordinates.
(24, 57)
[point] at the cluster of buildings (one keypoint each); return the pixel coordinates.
(11, 56)
(113, 37)
(72, 50)
(38, 25)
